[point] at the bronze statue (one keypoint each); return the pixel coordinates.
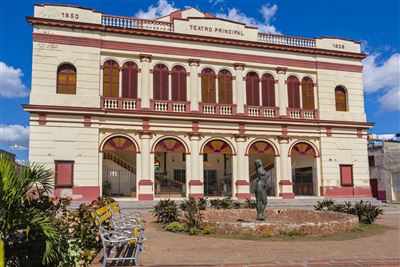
(260, 190)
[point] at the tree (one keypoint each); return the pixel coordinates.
(28, 235)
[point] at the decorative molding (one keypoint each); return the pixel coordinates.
(145, 57)
(285, 182)
(42, 119)
(239, 66)
(328, 131)
(242, 182)
(145, 182)
(195, 183)
(281, 70)
(194, 62)
(87, 121)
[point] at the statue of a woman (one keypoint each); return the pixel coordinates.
(260, 190)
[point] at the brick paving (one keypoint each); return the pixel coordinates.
(169, 249)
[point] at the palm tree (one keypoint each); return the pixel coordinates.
(21, 223)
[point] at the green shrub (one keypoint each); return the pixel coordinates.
(216, 203)
(237, 205)
(192, 214)
(175, 227)
(166, 211)
(202, 203)
(366, 212)
(208, 229)
(226, 203)
(250, 203)
(194, 231)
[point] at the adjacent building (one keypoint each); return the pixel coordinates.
(181, 106)
(384, 166)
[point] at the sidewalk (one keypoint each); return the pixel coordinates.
(169, 249)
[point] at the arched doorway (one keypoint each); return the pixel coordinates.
(170, 168)
(119, 167)
(304, 169)
(217, 166)
(265, 152)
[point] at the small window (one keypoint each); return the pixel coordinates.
(224, 87)
(129, 80)
(371, 161)
(346, 175)
(268, 90)
(340, 99)
(307, 91)
(66, 79)
(64, 173)
(252, 89)
(178, 81)
(208, 93)
(160, 82)
(293, 87)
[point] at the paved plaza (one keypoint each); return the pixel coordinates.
(169, 249)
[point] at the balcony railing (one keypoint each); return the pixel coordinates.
(215, 108)
(154, 25)
(298, 113)
(119, 103)
(169, 106)
(256, 111)
(143, 24)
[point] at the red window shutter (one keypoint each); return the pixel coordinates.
(125, 82)
(252, 89)
(175, 84)
(225, 87)
(208, 86)
(268, 90)
(293, 85)
(111, 78)
(164, 84)
(156, 84)
(64, 173)
(182, 85)
(307, 88)
(134, 82)
(129, 80)
(346, 175)
(340, 99)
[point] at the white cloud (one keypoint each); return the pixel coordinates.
(162, 8)
(215, 2)
(267, 11)
(11, 85)
(383, 78)
(14, 136)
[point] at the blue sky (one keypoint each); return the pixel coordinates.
(374, 23)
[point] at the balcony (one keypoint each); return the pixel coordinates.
(215, 108)
(169, 106)
(298, 113)
(257, 111)
(119, 103)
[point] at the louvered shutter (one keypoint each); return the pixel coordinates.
(156, 84)
(182, 85)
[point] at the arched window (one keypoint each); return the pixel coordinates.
(340, 99)
(252, 89)
(225, 87)
(160, 82)
(208, 86)
(111, 78)
(293, 86)
(178, 77)
(66, 79)
(268, 90)
(307, 93)
(129, 80)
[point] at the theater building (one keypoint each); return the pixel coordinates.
(181, 106)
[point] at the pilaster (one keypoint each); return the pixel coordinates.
(194, 89)
(239, 90)
(282, 91)
(145, 80)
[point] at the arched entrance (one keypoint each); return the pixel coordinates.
(170, 168)
(217, 166)
(119, 167)
(304, 169)
(265, 152)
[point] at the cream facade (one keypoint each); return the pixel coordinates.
(182, 106)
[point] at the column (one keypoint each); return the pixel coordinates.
(120, 83)
(282, 91)
(145, 80)
(146, 191)
(196, 189)
(239, 90)
(194, 89)
(285, 175)
(242, 180)
(319, 184)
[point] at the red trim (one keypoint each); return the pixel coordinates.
(195, 183)
(285, 182)
(88, 193)
(242, 182)
(181, 116)
(203, 39)
(87, 121)
(286, 195)
(196, 196)
(145, 197)
(56, 182)
(359, 133)
(42, 119)
(190, 52)
(145, 182)
(243, 195)
(329, 131)
(338, 192)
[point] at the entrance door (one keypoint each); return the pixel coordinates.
(303, 181)
(210, 183)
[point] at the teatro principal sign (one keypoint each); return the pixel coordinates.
(215, 27)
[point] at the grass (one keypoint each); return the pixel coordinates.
(363, 230)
